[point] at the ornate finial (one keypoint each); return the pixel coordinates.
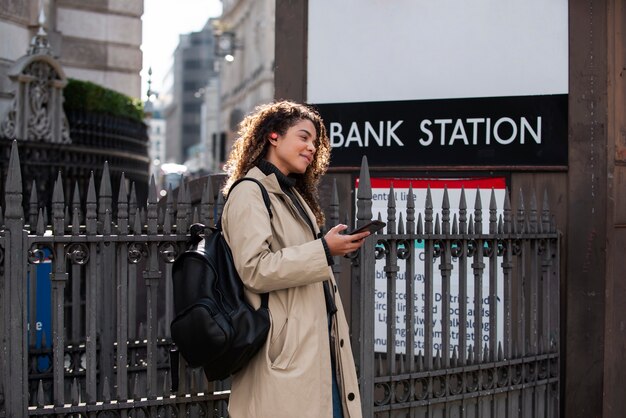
(150, 93)
(39, 44)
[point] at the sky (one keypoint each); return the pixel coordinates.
(163, 22)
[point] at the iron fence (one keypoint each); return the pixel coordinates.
(459, 323)
(440, 350)
(110, 298)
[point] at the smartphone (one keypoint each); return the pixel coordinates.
(371, 226)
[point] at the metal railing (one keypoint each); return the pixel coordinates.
(474, 333)
(111, 303)
(444, 350)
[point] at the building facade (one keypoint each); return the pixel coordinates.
(245, 67)
(94, 40)
(184, 92)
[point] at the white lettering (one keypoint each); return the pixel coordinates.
(428, 132)
(391, 133)
(475, 122)
(354, 136)
(496, 134)
(458, 132)
(335, 131)
(443, 123)
(378, 136)
(535, 133)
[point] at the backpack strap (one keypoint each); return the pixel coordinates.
(266, 197)
(266, 200)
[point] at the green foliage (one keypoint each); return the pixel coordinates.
(91, 97)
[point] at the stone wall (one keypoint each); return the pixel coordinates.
(95, 40)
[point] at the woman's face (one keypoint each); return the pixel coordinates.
(292, 152)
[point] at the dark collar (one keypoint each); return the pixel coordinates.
(268, 168)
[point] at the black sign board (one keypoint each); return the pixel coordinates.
(494, 131)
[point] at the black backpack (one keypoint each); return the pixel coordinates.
(214, 326)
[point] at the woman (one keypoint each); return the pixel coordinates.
(306, 368)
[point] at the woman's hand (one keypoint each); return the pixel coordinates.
(339, 244)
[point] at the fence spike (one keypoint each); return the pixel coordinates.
(470, 355)
(400, 225)
(41, 401)
(437, 360)
(381, 367)
(66, 217)
(500, 225)
(533, 212)
(169, 209)
(105, 201)
(463, 212)
(478, 213)
(470, 225)
(445, 212)
(58, 205)
(437, 226)
(521, 215)
(364, 193)
(122, 207)
(90, 205)
(41, 227)
(454, 358)
(182, 209)
(420, 224)
(391, 211)
(122, 195)
(13, 186)
(137, 226)
(545, 212)
(493, 210)
(107, 223)
(106, 390)
(132, 205)
(32, 205)
(193, 387)
(152, 215)
(507, 212)
(57, 192)
(167, 221)
(455, 226)
(105, 181)
(500, 351)
(410, 211)
(74, 398)
(428, 211)
(486, 354)
(143, 216)
(45, 217)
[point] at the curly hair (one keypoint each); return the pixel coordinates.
(252, 145)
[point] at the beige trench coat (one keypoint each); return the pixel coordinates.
(291, 375)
